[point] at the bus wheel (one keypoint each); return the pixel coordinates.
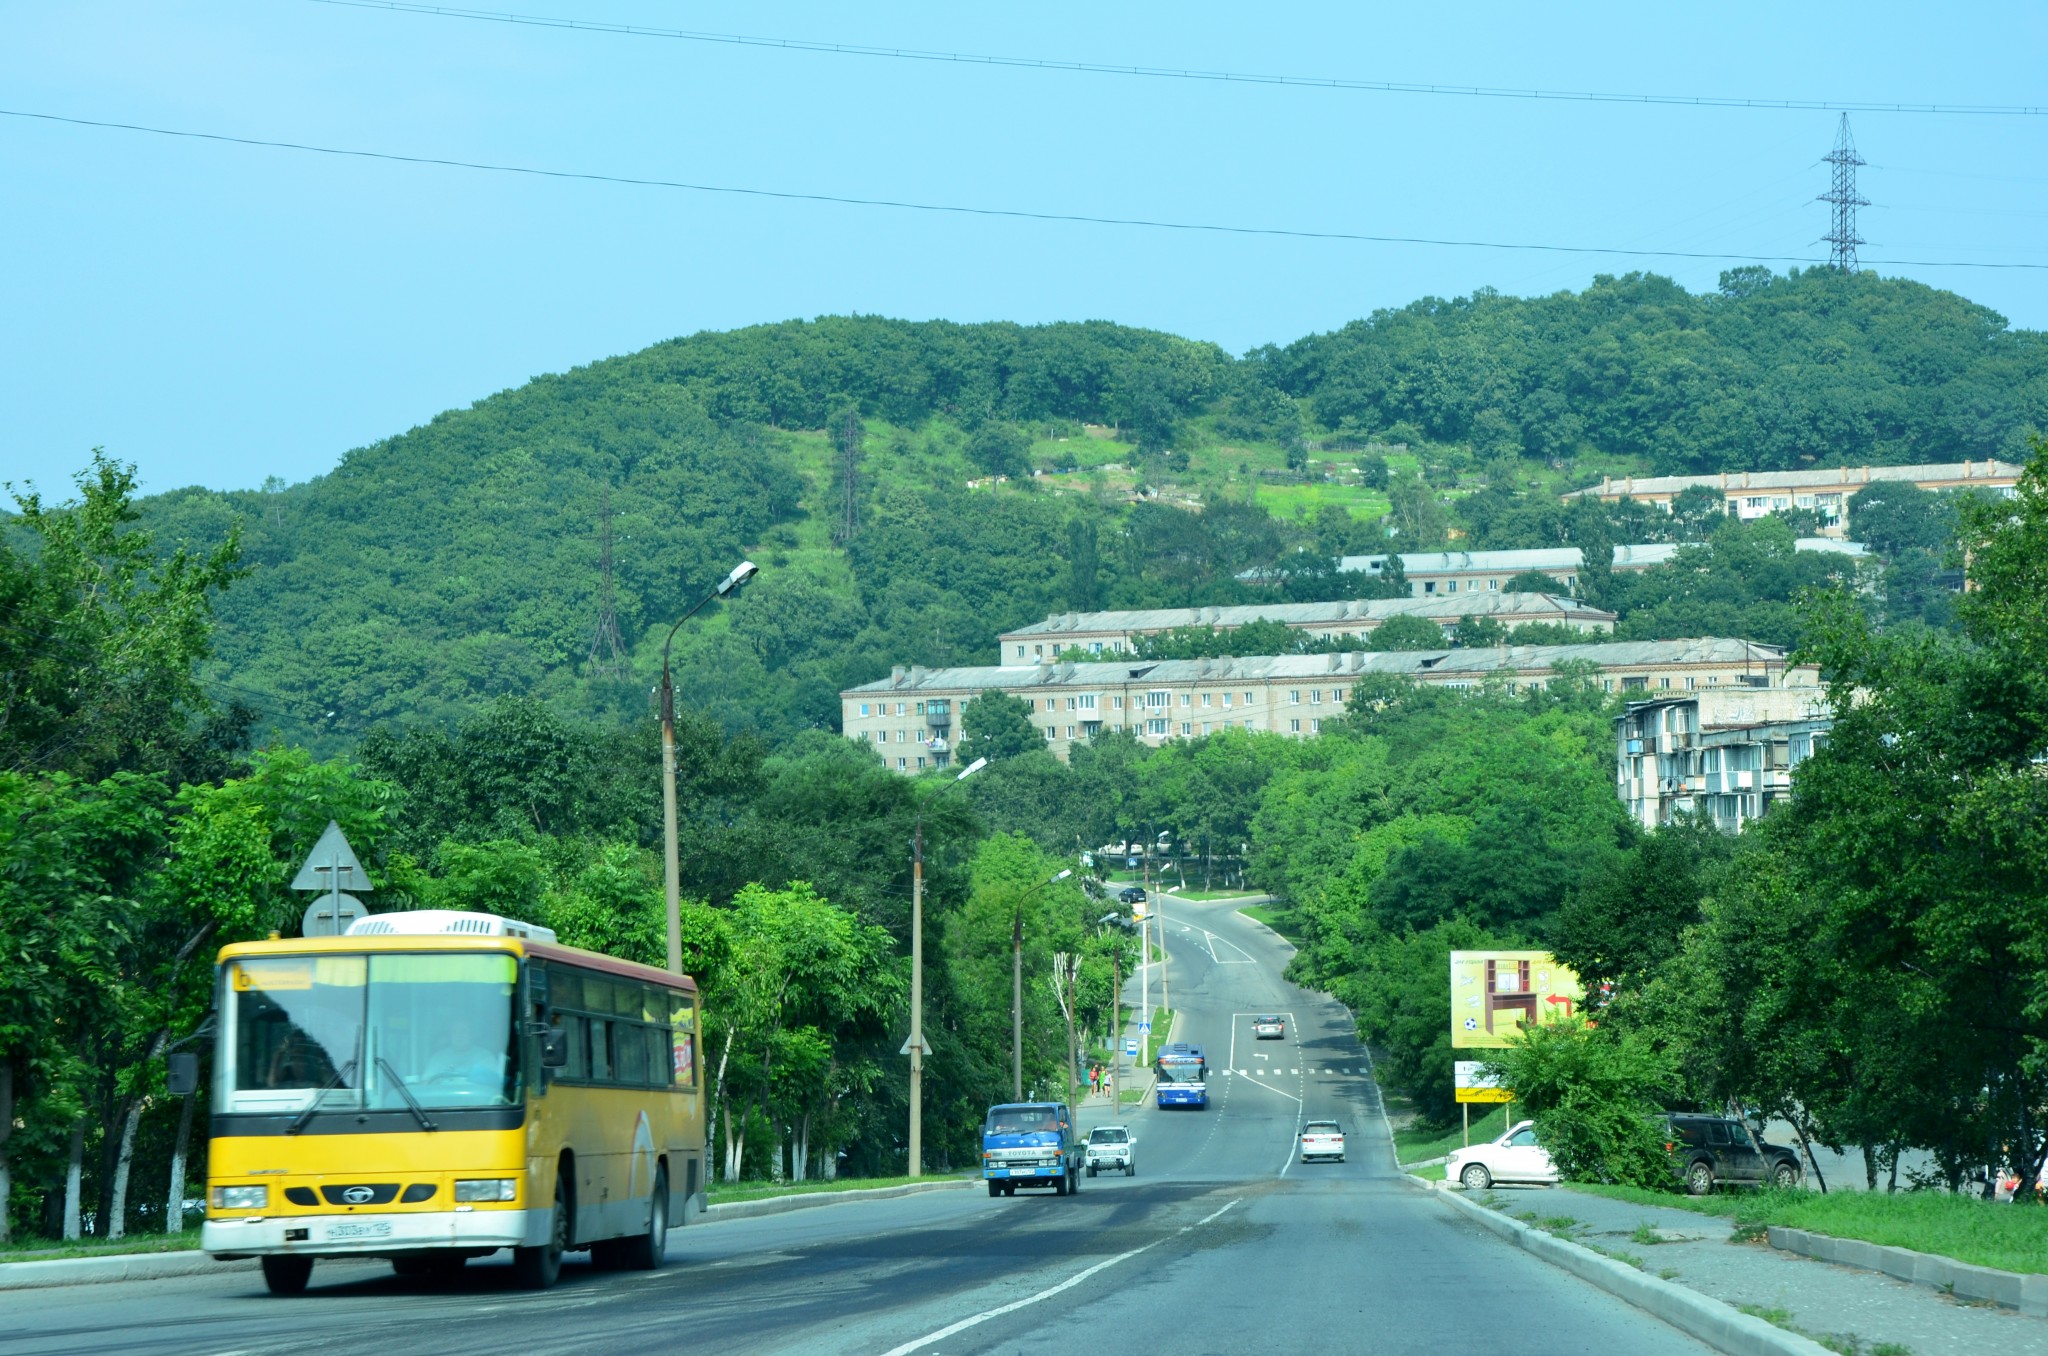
(286, 1275)
(645, 1252)
(538, 1268)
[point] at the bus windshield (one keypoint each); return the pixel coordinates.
(366, 1031)
(1181, 1071)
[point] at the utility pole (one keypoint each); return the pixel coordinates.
(1116, 1027)
(915, 1045)
(1017, 1004)
(1842, 196)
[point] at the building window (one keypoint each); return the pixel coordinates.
(1116, 703)
(1052, 703)
(1073, 703)
(1315, 727)
(920, 760)
(1634, 683)
(1450, 586)
(1020, 652)
(1315, 697)
(1050, 734)
(1186, 728)
(1429, 586)
(1070, 732)
(1337, 695)
(1038, 650)
(1205, 702)
(1187, 699)
(863, 708)
(1663, 682)
(1493, 586)
(920, 708)
(1205, 727)
(1607, 685)
(1294, 697)
(1294, 726)
(1690, 683)
(1157, 727)
(1247, 699)
(1094, 647)
(1088, 701)
(902, 764)
(1226, 699)
(862, 736)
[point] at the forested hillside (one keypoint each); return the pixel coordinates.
(1113, 467)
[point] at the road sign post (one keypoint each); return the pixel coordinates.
(329, 868)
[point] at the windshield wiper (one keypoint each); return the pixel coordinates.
(412, 1102)
(339, 1077)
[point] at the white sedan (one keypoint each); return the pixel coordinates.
(1514, 1157)
(1322, 1139)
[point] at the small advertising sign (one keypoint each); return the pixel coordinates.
(1474, 1086)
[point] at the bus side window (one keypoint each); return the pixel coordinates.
(600, 1050)
(576, 1035)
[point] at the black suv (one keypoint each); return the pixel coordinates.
(1132, 894)
(1707, 1149)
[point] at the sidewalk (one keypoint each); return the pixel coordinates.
(1818, 1298)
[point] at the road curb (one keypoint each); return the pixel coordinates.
(2011, 1289)
(125, 1266)
(1721, 1326)
(804, 1200)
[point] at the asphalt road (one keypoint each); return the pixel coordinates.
(1222, 1242)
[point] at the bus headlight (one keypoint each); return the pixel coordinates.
(241, 1198)
(488, 1189)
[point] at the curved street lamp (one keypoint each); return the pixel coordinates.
(915, 1046)
(1017, 986)
(672, 867)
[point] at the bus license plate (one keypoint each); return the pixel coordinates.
(369, 1228)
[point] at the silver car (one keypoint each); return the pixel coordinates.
(1111, 1146)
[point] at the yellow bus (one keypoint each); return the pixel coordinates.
(434, 1086)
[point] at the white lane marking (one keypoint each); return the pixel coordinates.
(1249, 959)
(1046, 1294)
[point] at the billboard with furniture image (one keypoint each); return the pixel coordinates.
(1494, 994)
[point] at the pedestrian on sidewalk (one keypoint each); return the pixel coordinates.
(1094, 1079)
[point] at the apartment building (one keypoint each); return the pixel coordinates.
(1752, 494)
(913, 716)
(1453, 574)
(1114, 633)
(1723, 752)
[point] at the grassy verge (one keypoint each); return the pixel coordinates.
(1412, 1144)
(1273, 916)
(46, 1251)
(1161, 1034)
(1204, 896)
(1982, 1233)
(727, 1193)
(1431, 1174)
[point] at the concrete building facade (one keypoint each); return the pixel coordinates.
(1752, 494)
(1453, 574)
(1115, 633)
(912, 717)
(1726, 753)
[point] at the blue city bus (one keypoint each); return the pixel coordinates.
(1183, 1076)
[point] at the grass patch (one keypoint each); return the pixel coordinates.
(1273, 916)
(1846, 1343)
(1982, 1233)
(1289, 501)
(725, 1193)
(1413, 1144)
(50, 1251)
(1646, 1235)
(1161, 1034)
(1204, 896)
(1432, 1173)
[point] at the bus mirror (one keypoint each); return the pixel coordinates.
(183, 1073)
(554, 1049)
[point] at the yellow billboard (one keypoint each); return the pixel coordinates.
(1494, 994)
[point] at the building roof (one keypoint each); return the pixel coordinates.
(1523, 606)
(1642, 555)
(1805, 480)
(1476, 662)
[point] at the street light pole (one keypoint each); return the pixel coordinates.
(916, 1042)
(1017, 987)
(671, 866)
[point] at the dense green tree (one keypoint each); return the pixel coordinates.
(997, 725)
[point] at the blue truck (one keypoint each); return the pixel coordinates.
(1183, 1076)
(1030, 1144)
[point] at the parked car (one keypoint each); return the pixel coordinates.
(1131, 894)
(1706, 1149)
(1269, 1028)
(1111, 1146)
(1514, 1157)
(1322, 1139)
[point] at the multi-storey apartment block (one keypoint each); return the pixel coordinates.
(1460, 574)
(1752, 494)
(1114, 633)
(1726, 753)
(913, 716)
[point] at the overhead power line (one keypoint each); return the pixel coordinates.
(1178, 73)
(961, 209)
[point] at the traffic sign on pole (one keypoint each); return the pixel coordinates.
(1144, 1026)
(330, 867)
(1131, 1046)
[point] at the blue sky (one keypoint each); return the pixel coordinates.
(218, 314)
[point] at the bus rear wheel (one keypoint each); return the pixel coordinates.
(645, 1252)
(287, 1275)
(539, 1267)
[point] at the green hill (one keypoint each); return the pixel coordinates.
(459, 560)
